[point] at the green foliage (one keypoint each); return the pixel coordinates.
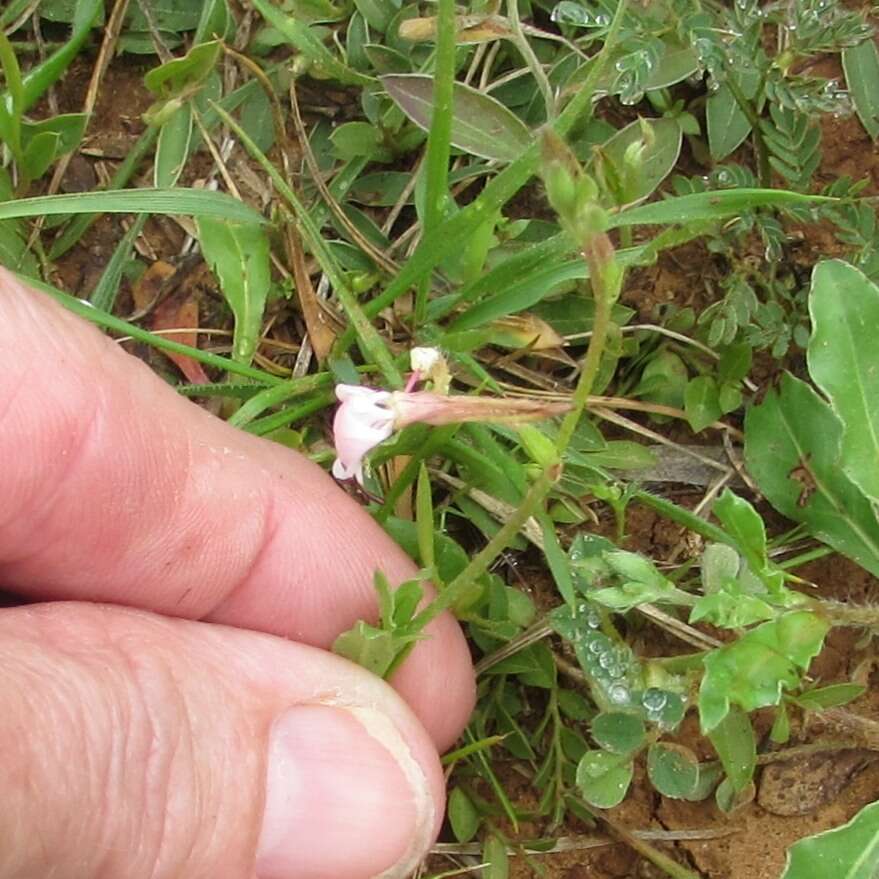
(238, 254)
(844, 306)
(861, 65)
(673, 770)
(794, 144)
(753, 671)
(381, 648)
(467, 502)
(604, 778)
(847, 852)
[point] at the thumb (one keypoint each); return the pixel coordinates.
(139, 746)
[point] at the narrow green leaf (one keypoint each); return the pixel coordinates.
(172, 148)
(99, 318)
(104, 294)
(424, 519)
(847, 852)
(861, 66)
(40, 78)
(733, 739)
(844, 362)
(711, 206)
(494, 855)
(481, 125)
(557, 560)
(238, 253)
(197, 202)
(830, 696)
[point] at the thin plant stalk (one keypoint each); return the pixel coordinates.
(436, 164)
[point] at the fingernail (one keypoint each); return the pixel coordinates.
(345, 799)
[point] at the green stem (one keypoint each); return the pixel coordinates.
(480, 563)
(764, 171)
(604, 299)
(436, 163)
(533, 62)
(804, 557)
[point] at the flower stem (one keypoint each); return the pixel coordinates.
(480, 563)
(598, 256)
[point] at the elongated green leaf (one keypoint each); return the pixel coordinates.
(481, 125)
(792, 442)
(238, 253)
(711, 206)
(861, 66)
(172, 148)
(14, 254)
(197, 202)
(662, 139)
(847, 852)
(44, 75)
(303, 38)
(733, 739)
(727, 123)
(844, 363)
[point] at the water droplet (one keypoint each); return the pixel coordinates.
(654, 699)
(602, 20)
(618, 694)
(596, 647)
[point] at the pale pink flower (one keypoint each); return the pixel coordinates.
(367, 417)
(361, 423)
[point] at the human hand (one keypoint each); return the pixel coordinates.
(150, 723)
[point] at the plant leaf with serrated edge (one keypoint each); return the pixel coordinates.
(792, 450)
(753, 671)
(843, 362)
(238, 254)
(481, 125)
(847, 852)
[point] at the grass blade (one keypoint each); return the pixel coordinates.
(197, 202)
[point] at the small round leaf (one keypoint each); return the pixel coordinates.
(673, 770)
(604, 778)
(618, 732)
